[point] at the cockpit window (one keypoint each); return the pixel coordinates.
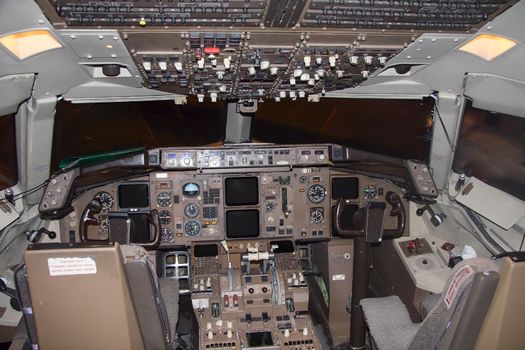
(8, 166)
(82, 129)
(399, 128)
(492, 148)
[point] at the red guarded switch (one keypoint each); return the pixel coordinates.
(212, 50)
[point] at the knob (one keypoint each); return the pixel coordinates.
(200, 63)
(251, 70)
(354, 60)
(178, 66)
(227, 62)
(274, 70)
(332, 60)
(305, 331)
(292, 81)
(163, 66)
(229, 334)
(213, 97)
(286, 333)
(265, 65)
(307, 61)
(147, 66)
(208, 325)
(368, 60)
(210, 335)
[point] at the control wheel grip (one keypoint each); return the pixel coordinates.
(154, 220)
(88, 218)
(398, 210)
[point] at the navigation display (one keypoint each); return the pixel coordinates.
(242, 223)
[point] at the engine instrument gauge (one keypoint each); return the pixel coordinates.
(164, 199)
(191, 210)
(165, 217)
(192, 228)
(270, 207)
(316, 215)
(370, 191)
(191, 189)
(105, 199)
(166, 235)
(316, 193)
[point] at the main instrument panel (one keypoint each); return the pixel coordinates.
(199, 195)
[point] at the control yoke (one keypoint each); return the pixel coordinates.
(88, 219)
(370, 219)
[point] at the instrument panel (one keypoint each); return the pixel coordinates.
(269, 192)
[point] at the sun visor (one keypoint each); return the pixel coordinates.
(495, 205)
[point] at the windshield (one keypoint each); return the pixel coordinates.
(491, 147)
(8, 166)
(82, 129)
(398, 128)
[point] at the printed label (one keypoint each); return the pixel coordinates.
(201, 303)
(340, 277)
(461, 275)
(72, 266)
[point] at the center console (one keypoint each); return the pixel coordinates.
(251, 294)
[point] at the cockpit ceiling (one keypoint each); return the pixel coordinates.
(344, 14)
(271, 49)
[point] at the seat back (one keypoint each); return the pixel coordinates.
(95, 297)
(503, 326)
(455, 321)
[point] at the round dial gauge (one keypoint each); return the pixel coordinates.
(192, 228)
(270, 207)
(165, 217)
(191, 189)
(370, 191)
(164, 199)
(316, 193)
(166, 235)
(105, 200)
(191, 210)
(317, 215)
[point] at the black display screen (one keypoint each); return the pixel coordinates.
(133, 195)
(345, 187)
(204, 250)
(242, 223)
(259, 339)
(242, 191)
(282, 246)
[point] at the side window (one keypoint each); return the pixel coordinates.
(8, 166)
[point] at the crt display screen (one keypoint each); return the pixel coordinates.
(345, 187)
(242, 191)
(259, 339)
(133, 196)
(242, 223)
(204, 250)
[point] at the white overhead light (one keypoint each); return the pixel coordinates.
(488, 46)
(29, 43)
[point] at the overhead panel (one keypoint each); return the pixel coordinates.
(277, 49)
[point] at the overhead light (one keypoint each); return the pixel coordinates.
(29, 43)
(488, 46)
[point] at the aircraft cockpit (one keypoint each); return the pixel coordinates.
(262, 175)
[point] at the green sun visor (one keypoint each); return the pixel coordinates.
(89, 159)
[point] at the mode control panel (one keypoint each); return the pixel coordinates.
(237, 157)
